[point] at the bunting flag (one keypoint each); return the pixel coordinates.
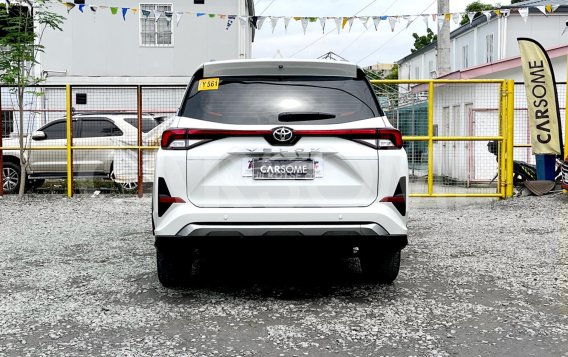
(322, 23)
(69, 6)
(524, 12)
(286, 23)
(230, 20)
(376, 22)
(305, 22)
(565, 28)
(392, 22)
(134, 10)
(338, 22)
(274, 22)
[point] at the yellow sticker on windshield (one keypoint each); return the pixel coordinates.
(208, 84)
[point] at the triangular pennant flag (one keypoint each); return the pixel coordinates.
(222, 17)
(313, 19)
(179, 14)
(364, 20)
(305, 22)
(274, 22)
(338, 22)
(554, 7)
(157, 15)
(350, 20)
(344, 22)
(94, 8)
(392, 22)
(524, 12)
(322, 23)
(505, 12)
(81, 6)
(447, 17)
(440, 21)
(230, 20)
(286, 23)
(145, 13)
(565, 28)
(497, 12)
(542, 9)
(243, 20)
(211, 16)
(470, 16)
(260, 21)
(548, 8)
(134, 10)
(376, 22)
(168, 15)
(409, 20)
(456, 17)
(69, 6)
(425, 19)
(124, 11)
(434, 16)
(487, 14)
(113, 10)
(199, 14)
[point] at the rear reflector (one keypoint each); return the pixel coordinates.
(394, 199)
(167, 199)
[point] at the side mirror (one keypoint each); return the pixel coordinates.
(38, 135)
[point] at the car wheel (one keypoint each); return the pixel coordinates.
(174, 266)
(11, 177)
(126, 187)
(380, 266)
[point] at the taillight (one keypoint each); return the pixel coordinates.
(177, 139)
(399, 198)
(174, 139)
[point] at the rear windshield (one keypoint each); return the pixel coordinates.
(278, 100)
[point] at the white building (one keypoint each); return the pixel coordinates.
(486, 49)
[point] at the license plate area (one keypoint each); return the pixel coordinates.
(282, 169)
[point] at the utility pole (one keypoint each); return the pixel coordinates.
(443, 65)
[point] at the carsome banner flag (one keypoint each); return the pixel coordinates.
(542, 98)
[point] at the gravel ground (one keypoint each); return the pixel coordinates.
(78, 277)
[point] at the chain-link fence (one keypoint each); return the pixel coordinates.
(454, 133)
(114, 132)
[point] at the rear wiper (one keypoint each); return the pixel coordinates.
(304, 116)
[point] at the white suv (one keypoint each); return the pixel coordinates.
(280, 149)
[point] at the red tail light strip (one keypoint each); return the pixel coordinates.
(167, 199)
(394, 199)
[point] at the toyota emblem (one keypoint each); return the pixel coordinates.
(282, 134)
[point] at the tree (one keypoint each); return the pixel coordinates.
(516, 1)
(22, 26)
(422, 41)
(477, 7)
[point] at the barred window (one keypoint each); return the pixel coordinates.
(152, 32)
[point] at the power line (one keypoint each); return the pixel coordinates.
(392, 38)
(329, 32)
(266, 8)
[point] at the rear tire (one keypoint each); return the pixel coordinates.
(11, 177)
(174, 266)
(380, 266)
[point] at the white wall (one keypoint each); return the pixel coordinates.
(104, 45)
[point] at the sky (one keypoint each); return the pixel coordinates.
(364, 47)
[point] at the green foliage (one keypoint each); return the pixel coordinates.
(20, 40)
(422, 41)
(516, 1)
(477, 7)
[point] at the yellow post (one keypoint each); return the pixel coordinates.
(501, 165)
(510, 135)
(430, 138)
(69, 143)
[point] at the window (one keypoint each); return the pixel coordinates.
(489, 48)
(465, 56)
(147, 123)
(262, 100)
(96, 128)
(152, 32)
(7, 123)
(55, 130)
(417, 73)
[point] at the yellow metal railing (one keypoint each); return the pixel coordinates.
(505, 139)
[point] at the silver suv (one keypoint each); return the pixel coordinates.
(88, 130)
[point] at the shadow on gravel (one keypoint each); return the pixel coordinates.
(262, 272)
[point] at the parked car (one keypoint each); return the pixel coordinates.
(88, 130)
(267, 149)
